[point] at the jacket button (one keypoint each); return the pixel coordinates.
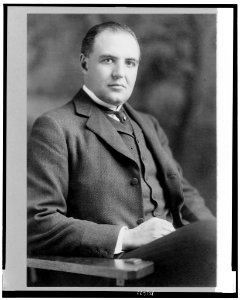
(140, 221)
(134, 181)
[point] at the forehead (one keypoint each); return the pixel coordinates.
(118, 43)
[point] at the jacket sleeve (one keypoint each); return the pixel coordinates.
(50, 230)
(194, 207)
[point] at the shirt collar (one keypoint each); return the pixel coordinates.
(99, 101)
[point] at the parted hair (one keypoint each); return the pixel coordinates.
(88, 40)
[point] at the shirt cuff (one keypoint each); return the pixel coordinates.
(118, 248)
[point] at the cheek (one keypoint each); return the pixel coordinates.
(102, 73)
(96, 80)
(132, 78)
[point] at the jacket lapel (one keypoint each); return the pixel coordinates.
(99, 123)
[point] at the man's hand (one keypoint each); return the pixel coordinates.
(145, 233)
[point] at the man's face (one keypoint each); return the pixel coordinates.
(111, 68)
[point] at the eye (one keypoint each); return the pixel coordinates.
(107, 60)
(131, 63)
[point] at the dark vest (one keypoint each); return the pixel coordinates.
(154, 203)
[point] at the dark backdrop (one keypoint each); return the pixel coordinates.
(176, 80)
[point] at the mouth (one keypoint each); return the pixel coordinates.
(117, 86)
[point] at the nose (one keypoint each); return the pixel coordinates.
(118, 71)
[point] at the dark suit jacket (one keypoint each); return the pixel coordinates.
(79, 181)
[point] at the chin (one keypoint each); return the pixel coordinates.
(116, 98)
(119, 102)
(115, 101)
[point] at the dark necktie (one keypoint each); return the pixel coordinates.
(119, 114)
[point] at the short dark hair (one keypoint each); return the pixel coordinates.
(88, 41)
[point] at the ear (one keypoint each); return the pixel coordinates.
(84, 63)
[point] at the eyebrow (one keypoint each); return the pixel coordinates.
(114, 57)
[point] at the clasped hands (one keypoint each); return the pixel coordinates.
(145, 233)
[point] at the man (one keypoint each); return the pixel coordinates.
(102, 180)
